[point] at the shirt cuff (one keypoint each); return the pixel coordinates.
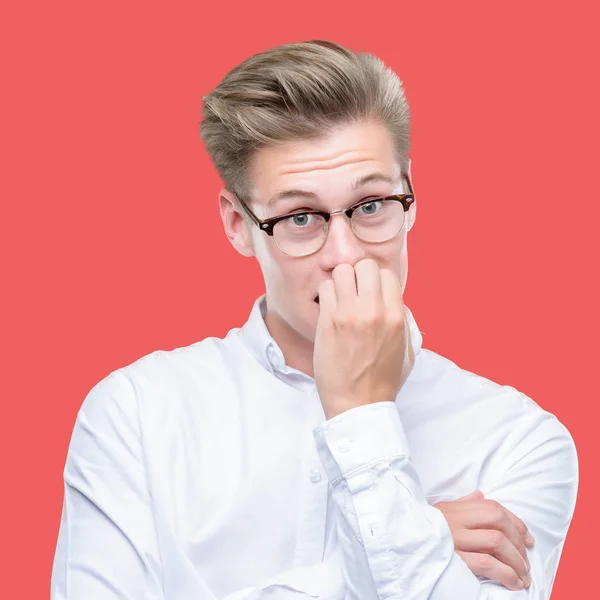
(360, 437)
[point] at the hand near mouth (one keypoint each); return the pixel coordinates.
(362, 348)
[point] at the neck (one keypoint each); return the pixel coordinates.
(297, 350)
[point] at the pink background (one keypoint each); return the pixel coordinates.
(112, 247)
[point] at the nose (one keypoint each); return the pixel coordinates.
(341, 246)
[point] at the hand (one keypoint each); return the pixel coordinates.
(362, 350)
(490, 539)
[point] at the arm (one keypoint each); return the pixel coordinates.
(398, 546)
(107, 545)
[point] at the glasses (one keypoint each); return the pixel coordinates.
(373, 220)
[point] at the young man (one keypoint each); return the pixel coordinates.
(319, 451)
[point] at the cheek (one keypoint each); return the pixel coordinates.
(391, 255)
(277, 269)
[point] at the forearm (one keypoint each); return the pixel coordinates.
(395, 544)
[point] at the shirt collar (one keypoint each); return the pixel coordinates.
(261, 344)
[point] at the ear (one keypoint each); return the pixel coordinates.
(236, 227)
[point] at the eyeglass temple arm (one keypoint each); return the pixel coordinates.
(249, 211)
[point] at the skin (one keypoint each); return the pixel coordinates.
(490, 539)
(355, 343)
(328, 168)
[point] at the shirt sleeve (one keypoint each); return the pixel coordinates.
(107, 546)
(396, 545)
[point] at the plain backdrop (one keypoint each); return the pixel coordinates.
(112, 245)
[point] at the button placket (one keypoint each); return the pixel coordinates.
(312, 499)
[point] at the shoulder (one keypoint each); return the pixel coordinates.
(509, 419)
(206, 360)
(461, 390)
(161, 378)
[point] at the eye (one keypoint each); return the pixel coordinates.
(301, 219)
(370, 208)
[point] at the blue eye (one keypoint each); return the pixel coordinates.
(370, 208)
(300, 220)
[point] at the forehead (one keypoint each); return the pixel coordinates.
(326, 166)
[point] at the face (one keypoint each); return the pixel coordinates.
(325, 171)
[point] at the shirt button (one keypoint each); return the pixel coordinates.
(343, 445)
(315, 476)
(274, 357)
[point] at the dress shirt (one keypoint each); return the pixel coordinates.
(209, 472)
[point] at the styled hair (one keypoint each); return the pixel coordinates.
(298, 91)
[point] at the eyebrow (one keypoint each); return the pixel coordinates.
(359, 182)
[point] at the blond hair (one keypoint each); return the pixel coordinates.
(298, 91)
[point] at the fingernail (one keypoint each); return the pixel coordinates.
(529, 539)
(528, 565)
(520, 584)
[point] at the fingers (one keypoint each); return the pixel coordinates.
(488, 514)
(391, 292)
(369, 288)
(527, 538)
(327, 299)
(483, 528)
(344, 279)
(368, 284)
(497, 545)
(395, 313)
(485, 565)
(521, 528)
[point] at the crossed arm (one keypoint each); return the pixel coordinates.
(401, 547)
(394, 544)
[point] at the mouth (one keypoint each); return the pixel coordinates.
(316, 299)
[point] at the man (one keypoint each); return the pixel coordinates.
(319, 451)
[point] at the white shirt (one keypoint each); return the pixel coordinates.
(210, 472)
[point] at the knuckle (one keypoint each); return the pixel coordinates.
(511, 579)
(396, 321)
(328, 326)
(497, 515)
(484, 563)
(494, 505)
(522, 528)
(496, 540)
(342, 320)
(373, 319)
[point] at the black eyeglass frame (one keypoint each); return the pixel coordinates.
(267, 225)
